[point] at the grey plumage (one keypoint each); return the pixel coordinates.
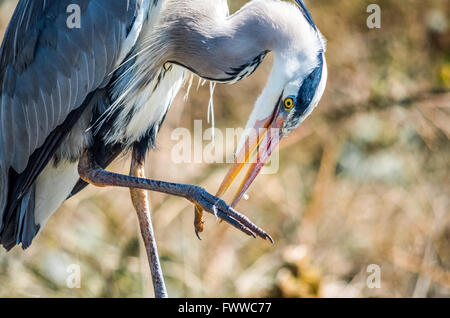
(107, 86)
(40, 86)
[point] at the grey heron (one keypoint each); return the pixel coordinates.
(74, 98)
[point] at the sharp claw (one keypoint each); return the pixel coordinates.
(226, 213)
(270, 239)
(198, 235)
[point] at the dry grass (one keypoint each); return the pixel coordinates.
(364, 181)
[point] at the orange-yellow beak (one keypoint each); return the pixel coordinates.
(259, 145)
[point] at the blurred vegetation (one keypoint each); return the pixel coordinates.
(365, 180)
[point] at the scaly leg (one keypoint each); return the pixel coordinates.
(139, 198)
(92, 173)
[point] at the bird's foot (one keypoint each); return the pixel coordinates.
(203, 200)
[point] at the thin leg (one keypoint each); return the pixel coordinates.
(92, 173)
(140, 201)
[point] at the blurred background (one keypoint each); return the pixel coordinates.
(365, 180)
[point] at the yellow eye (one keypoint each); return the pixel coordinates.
(288, 103)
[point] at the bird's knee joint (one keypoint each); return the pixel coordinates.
(91, 176)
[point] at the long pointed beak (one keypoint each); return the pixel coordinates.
(259, 145)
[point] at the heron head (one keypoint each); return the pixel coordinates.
(294, 88)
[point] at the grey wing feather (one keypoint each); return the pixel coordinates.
(47, 70)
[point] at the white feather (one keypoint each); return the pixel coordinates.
(53, 186)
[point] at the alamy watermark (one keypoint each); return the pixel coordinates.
(73, 280)
(74, 19)
(202, 147)
(374, 19)
(374, 279)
